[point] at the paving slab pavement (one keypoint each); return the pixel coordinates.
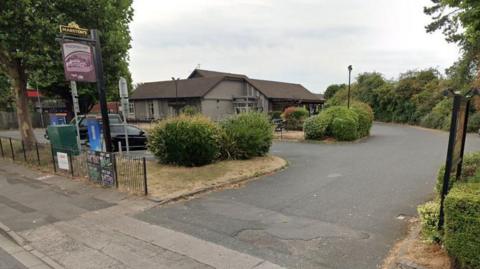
(73, 224)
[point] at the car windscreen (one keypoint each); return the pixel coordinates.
(115, 119)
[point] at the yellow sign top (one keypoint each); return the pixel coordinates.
(73, 29)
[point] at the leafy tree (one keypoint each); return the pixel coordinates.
(459, 20)
(332, 90)
(28, 47)
(6, 98)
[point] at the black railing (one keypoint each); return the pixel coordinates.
(128, 173)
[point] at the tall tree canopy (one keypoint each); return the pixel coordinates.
(28, 48)
(459, 20)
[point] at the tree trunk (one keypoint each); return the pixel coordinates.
(19, 81)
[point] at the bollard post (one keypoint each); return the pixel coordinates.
(11, 148)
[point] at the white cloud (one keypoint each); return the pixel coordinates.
(303, 41)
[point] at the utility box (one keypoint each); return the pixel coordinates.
(63, 138)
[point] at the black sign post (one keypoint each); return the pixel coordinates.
(456, 144)
(73, 32)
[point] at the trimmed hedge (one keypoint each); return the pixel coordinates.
(247, 135)
(340, 122)
(462, 224)
(185, 140)
(470, 171)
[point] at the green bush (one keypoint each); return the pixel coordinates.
(429, 215)
(185, 140)
(462, 224)
(190, 110)
(340, 123)
(344, 126)
(439, 117)
(474, 122)
(470, 171)
(316, 127)
(365, 118)
(247, 135)
(294, 117)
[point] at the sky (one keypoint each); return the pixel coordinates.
(310, 42)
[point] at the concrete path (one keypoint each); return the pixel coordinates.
(70, 224)
(336, 206)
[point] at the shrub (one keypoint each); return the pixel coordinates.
(190, 110)
(344, 126)
(246, 135)
(294, 117)
(474, 122)
(439, 117)
(185, 140)
(316, 127)
(429, 215)
(365, 118)
(462, 224)
(470, 171)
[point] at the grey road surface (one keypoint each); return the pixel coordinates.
(39, 134)
(336, 206)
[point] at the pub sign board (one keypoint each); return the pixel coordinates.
(78, 62)
(73, 29)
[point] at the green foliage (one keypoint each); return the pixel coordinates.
(7, 101)
(429, 215)
(439, 117)
(185, 140)
(28, 31)
(247, 135)
(470, 171)
(365, 118)
(332, 90)
(474, 122)
(316, 127)
(344, 126)
(190, 110)
(294, 117)
(462, 224)
(340, 123)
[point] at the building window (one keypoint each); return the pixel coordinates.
(151, 110)
(131, 108)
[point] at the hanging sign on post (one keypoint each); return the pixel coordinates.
(78, 62)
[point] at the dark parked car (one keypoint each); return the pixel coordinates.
(137, 139)
(82, 124)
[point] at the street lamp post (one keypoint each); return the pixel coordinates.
(349, 78)
(176, 94)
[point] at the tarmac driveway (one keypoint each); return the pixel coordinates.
(336, 206)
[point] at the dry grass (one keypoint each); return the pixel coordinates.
(167, 181)
(413, 250)
(289, 135)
